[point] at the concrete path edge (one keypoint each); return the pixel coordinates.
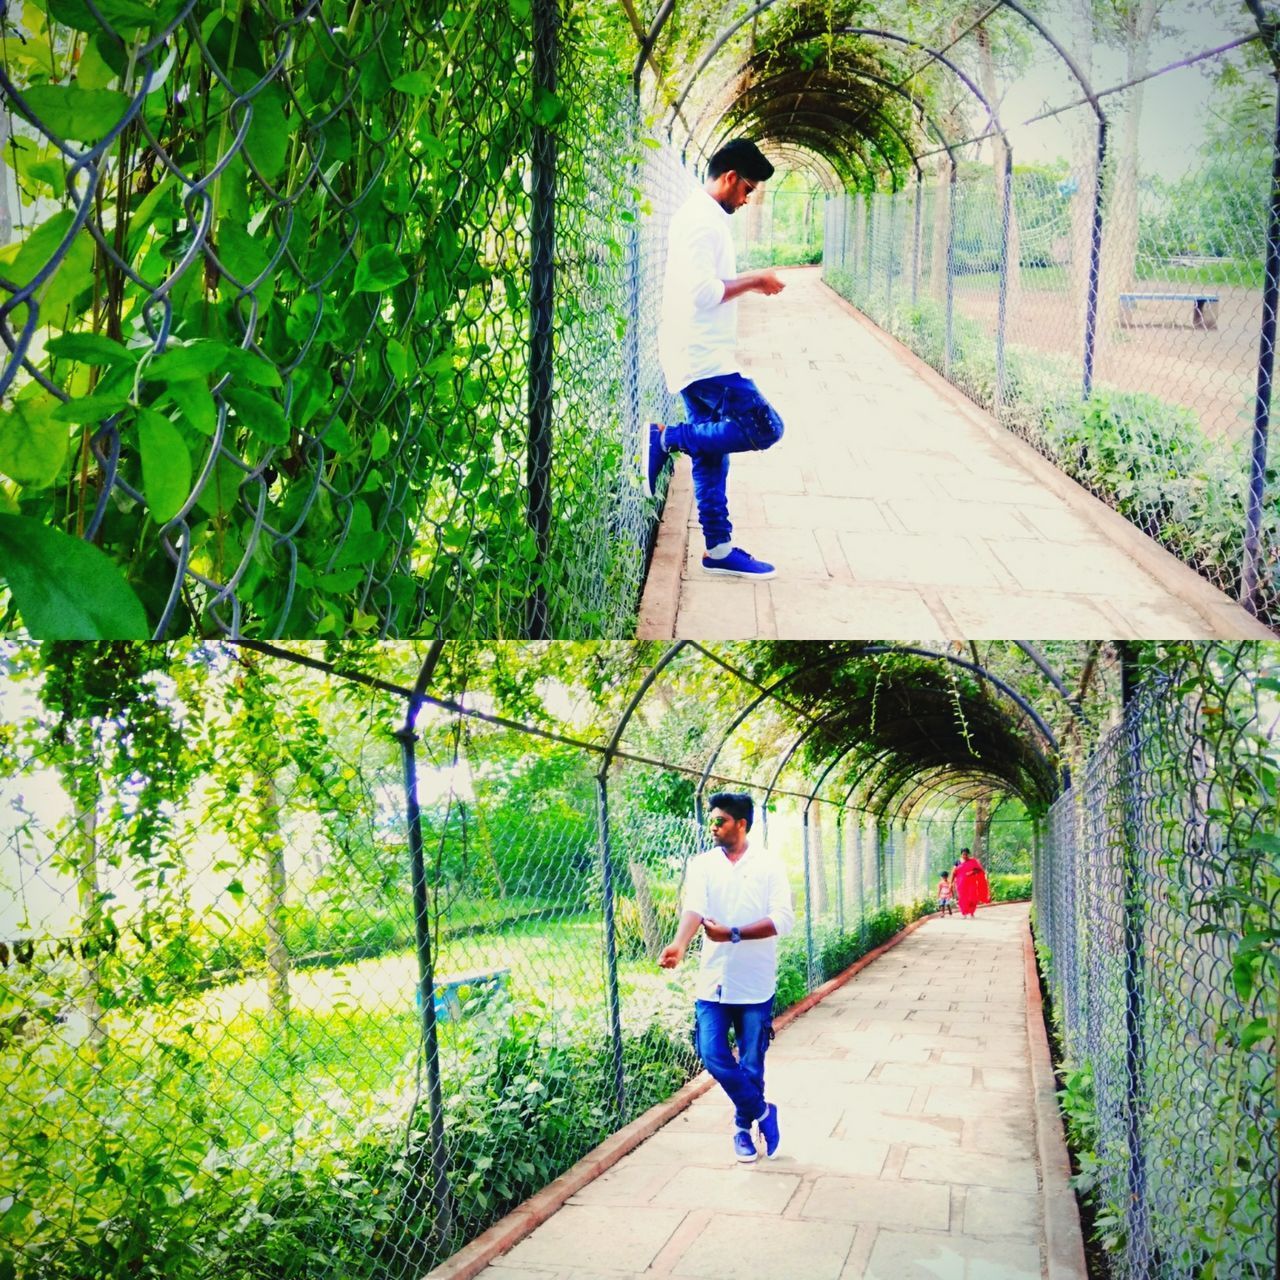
(1217, 609)
(507, 1232)
(1064, 1245)
(660, 596)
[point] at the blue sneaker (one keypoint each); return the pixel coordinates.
(744, 1146)
(769, 1129)
(654, 459)
(738, 564)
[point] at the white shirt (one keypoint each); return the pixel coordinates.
(739, 893)
(698, 335)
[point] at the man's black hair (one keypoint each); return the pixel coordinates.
(743, 157)
(737, 804)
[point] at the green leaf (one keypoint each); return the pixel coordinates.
(166, 464)
(64, 588)
(195, 360)
(125, 16)
(547, 108)
(267, 140)
(397, 359)
(259, 414)
(90, 348)
(414, 83)
(74, 273)
(379, 269)
(197, 404)
(90, 408)
(221, 488)
(70, 112)
(1242, 975)
(33, 443)
(380, 443)
(253, 368)
(1258, 1029)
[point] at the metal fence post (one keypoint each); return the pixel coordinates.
(915, 245)
(808, 905)
(951, 251)
(840, 869)
(610, 942)
(1132, 888)
(1095, 264)
(542, 271)
(862, 886)
(888, 271)
(1002, 306)
(1262, 401)
(441, 1195)
(870, 271)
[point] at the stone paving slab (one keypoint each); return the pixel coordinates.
(909, 1144)
(892, 506)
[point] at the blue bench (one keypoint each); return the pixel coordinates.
(1204, 306)
(452, 994)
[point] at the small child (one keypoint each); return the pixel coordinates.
(944, 893)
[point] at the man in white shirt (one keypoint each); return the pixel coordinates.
(697, 344)
(740, 898)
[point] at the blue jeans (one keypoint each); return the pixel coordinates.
(742, 1078)
(727, 414)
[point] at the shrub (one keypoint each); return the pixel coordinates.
(1010, 888)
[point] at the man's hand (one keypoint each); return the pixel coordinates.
(715, 931)
(768, 283)
(671, 955)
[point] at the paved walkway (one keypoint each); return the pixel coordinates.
(893, 506)
(910, 1146)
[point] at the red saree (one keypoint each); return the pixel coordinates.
(971, 886)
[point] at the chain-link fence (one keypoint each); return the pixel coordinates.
(1138, 359)
(313, 320)
(230, 880)
(1157, 889)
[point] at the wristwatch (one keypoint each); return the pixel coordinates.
(735, 934)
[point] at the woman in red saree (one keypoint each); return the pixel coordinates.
(970, 880)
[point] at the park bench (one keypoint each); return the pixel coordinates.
(450, 994)
(1204, 306)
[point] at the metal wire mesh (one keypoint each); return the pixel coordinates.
(211, 1028)
(1157, 877)
(1153, 405)
(266, 308)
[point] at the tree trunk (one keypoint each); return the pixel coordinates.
(1120, 239)
(271, 843)
(88, 798)
(981, 826)
(1084, 163)
(649, 926)
(817, 864)
(987, 75)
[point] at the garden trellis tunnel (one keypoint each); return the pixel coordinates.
(371, 337)
(265, 853)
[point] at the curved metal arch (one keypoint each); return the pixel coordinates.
(906, 806)
(813, 120)
(834, 656)
(897, 778)
(635, 700)
(796, 158)
(810, 135)
(896, 750)
(936, 55)
(879, 113)
(952, 794)
(817, 118)
(660, 20)
(917, 103)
